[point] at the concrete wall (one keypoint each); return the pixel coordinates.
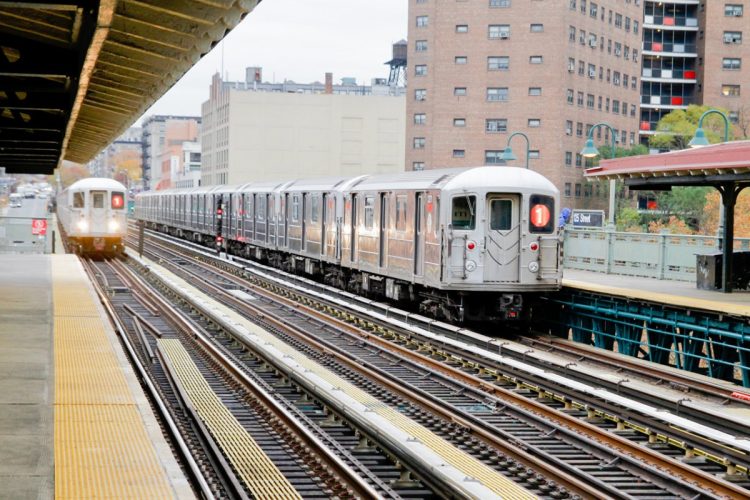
(275, 136)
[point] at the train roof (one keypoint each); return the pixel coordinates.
(457, 178)
(96, 183)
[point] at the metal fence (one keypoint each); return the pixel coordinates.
(663, 256)
(17, 235)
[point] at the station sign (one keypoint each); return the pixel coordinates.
(587, 218)
(39, 227)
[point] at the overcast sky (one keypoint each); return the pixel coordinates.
(297, 40)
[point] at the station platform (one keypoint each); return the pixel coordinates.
(678, 293)
(74, 422)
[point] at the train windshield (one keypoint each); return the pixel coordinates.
(541, 209)
(78, 200)
(463, 213)
(97, 199)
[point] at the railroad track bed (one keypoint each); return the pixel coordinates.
(611, 472)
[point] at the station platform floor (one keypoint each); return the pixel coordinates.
(74, 422)
(679, 293)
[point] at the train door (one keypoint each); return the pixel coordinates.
(303, 221)
(286, 219)
(353, 243)
(382, 234)
(419, 235)
(98, 212)
(324, 225)
(266, 201)
(502, 238)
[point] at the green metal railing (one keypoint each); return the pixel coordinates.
(662, 256)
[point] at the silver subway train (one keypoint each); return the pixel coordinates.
(463, 244)
(93, 216)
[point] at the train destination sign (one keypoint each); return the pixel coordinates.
(587, 218)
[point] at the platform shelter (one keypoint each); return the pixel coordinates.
(724, 166)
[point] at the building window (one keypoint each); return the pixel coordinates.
(618, 20)
(733, 10)
(568, 159)
(498, 63)
(731, 63)
(536, 28)
(535, 91)
(419, 142)
(579, 160)
(500, 3)
(599, 103)
(571, 33)
(497, 94)
(593, 10)
(734, 117)
(534, 154)
(459, 91)
(632, 110)
(417, 165)
(618, 49)
(462, 28)
(422, 21)
(494, 125)
(420, 118)
(534, 123)
(569, 96)
(571, 64)
(420, 94)
(581, 67)
(579, 129)
(498, 31)
(579, 99)
(592, 71)
(615, 106)
(616, 78)
(730, 90)
(582, 37)
(459, 122)
(590, 101)
(583, 6)
(732, 37)
(420, 70)
(535, 59)
(459, 153)
(493, 157)
(568, 127)
(461, 60)
(592, 40)
(635, 27)
(567, 189)
(421, 45)
(578, 190)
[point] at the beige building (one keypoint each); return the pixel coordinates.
(725, 51)
(479, 71)
(249, 134)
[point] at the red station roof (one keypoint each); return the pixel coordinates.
(727, 158)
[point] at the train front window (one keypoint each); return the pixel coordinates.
(501, 215)
(97, 199)
(78, 200)
(464, 214)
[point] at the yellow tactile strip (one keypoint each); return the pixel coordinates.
(468, 465)
(102, 449)
(251, 464)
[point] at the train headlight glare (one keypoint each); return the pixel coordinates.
(470, 265)
(83, 225)
(113, 226)
(533, 267)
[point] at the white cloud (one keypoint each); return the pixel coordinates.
(297, 40)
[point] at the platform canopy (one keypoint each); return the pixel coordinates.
(74, 74)
(725, 166)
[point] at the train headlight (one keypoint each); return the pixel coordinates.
(470, 265)
(82, 225)
(534, 267)
(113, 226)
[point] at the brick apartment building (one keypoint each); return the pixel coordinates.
(480, 70)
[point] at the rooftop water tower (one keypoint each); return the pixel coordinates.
(397, 76)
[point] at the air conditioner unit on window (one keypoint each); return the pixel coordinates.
(504, 36)
(571, 69)
(592, 42)
(592, 74)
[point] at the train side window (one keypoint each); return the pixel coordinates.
(314, 207)
(464, 214)
(369, 211)
(401, 204)
(501, 215)
(295, 208)
(261, 208)
(541, 209)
(78, 200)
(97, 199)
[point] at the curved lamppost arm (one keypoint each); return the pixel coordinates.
(700, 135)
(589, 151)
(528, 144)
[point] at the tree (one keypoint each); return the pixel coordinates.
(675, 129)
(741, 214)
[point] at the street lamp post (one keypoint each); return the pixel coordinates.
(508, 153)
(700, 139)
(590, 151)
